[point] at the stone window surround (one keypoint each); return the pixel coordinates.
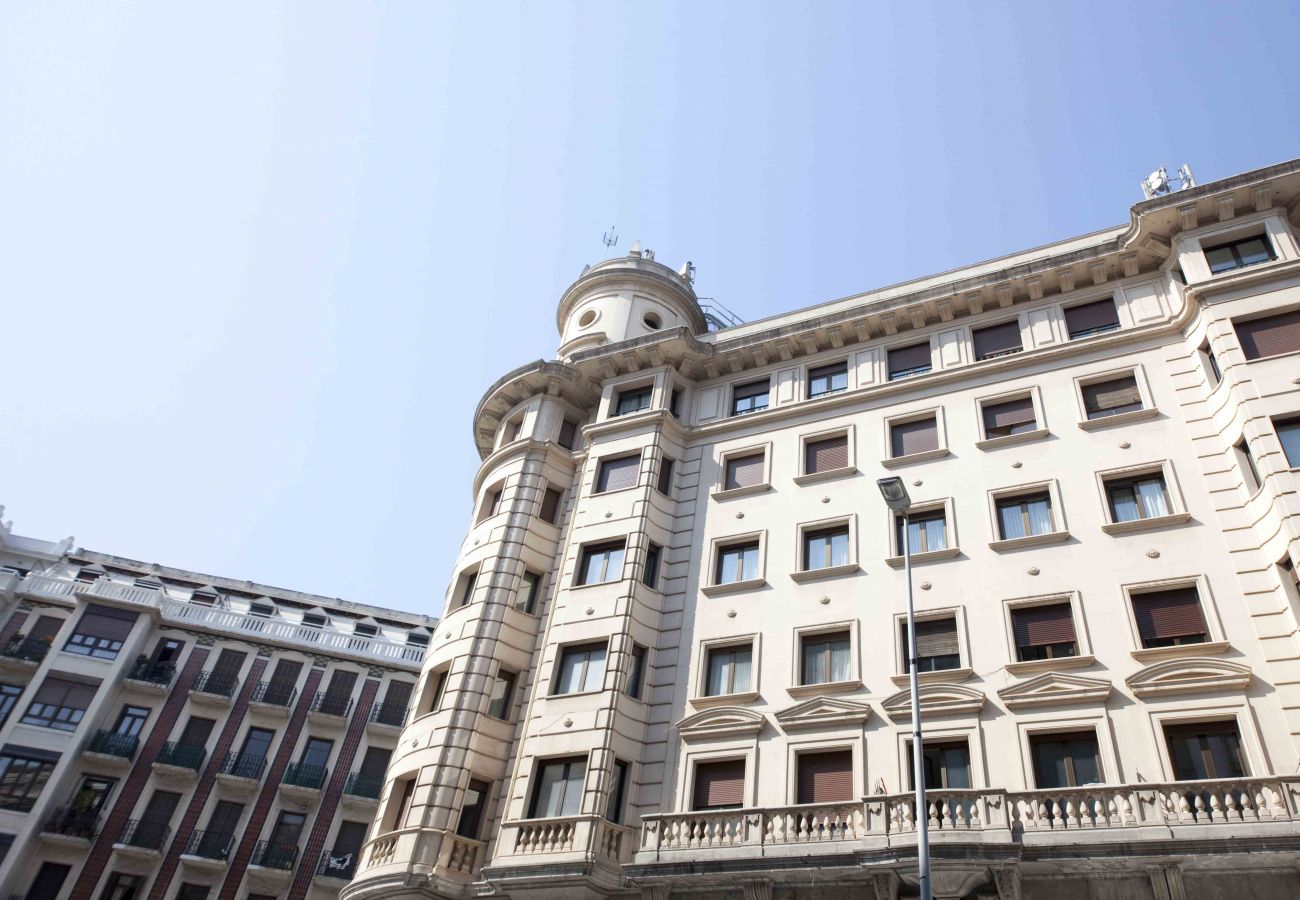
(700, 698)
(1083, 656)
(534, 773)
(474, 570)
(953, 549)
(901, 341)
(614, 456)
(525, 415)
(803, 382)
(852, 740)
(710, 588)
(1178, 712)
(1040, 418)
(727, 394)
(1148, 410)
(796, 687)
(1253, 224)
(849, 432)
(1235, 465)
(959, 674)
(972, 733)
(553, 670)
(1215, 641)
(722, 750)
(609, 395)
(1060, 530)
(575, 583)
(1178, 513)
(480, 514)
(720, 492)
(1031, 724)
(889, 461)
(801, 574)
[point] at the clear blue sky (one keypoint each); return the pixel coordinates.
(260, 260)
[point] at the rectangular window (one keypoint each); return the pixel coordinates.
(557, 788)
(665, 483)
(101, 632)
(636, 677)
(491, 505)
(719, 785)
(9, 694)
(1066, 760)
(581, 668)
(438, 682)
(1246, 463)
(736, 562)
(1269, 336)
(471, 813)
(617, 474)
(926, 531)
(568, 434)
(503, 694)
(121, 886)
(465, 593)
(1110, 398)
(750, 397)
(511, 434)
(1008, 417)
(824, 658)
(1170, 618)
(946, 766)
(729, 670)
(48, 881)
(1204, 750)
(1288, 434)
(59, 704)
(1093, 318)
(1026, 516)
(831, 379)
(550, 506)
(23, 773)
(530, 589)
(826, 547)
(997, 340)
(617, 793)
(1238, 254)
(825, 777)
(917, 436)
(1211, 364)
(905, 362)
(826, 454)
(261, 610)
(1044, 632)
(675, 403)
(650, 576)
(744, 471)
(1143, 497)
(937, 648)
(601, 563)
(632, 401)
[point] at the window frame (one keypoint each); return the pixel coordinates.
(800, 635)
(963, 669)
(804, 530)
(1083, 655)
(889, 461)
(1092, 332)
(1239, 713)
(664, 475)
(732, 387)
(1149, 409)
(534, 593)
(806, 477)
(1231, 244)
(602, 471)
(535, 786)
(707, 648)
(637, 671)
(1029, 726)
(633, 389)
(1020, 327)
(1178, 513)
(894, 521)
(1214, 642)
(582, 646)
(1287, 421)
(1060, 526)
(915, 371)
(826, 370)
(601, 545)
(722, 492)
(490, 502)
(1247, 467)
(36, 775)
(652, 566)
(464, 588)
(716, 545)
(511, 677)
(1040, 431)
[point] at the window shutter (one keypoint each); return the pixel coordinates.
(1270, 336)
(997, 339)
(751, 389)
(550, 505)
(720, 784)
(826, 455)
(1169, 614)
(617, 474)
(826, 777)
(71, 694)
(1041, 625)
(934, 637)
(1112, 394)
(744, 471)
(106, 622)
(914, 437)
(1098, 314)
(1006, 415)
(903, 358)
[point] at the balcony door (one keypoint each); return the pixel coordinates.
(166, 652)
(1205, 750)
(196, 733)
(316, 753)
(257, 746)
(156, 819)
(222, 827)
(225, 674)
(288, 830)
(1066, 760)
(49, 881)
(130, 721)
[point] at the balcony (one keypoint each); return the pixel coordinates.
(71, 827)
(23, 654)
(126, 596)
(48, 587)
(272, 863)
(387, 717)
(570, 838)
(214, 688)
(208, 851)
(241, 774)
(337, 865)
(273, 698)
(452, 857)
(179, 760)
(143, 840)
(149, 677)
(362, 791)
(111, 748)
(330, 709)
(303, 782)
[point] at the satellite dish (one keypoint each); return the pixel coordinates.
(1158, 183)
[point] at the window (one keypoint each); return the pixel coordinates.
(1170, 618)
(512, 429)
(632, 401)
(130, 721)
(314, 620)
(465, 590)
(9, 694)
(1246, 463)
(101, 632)
(48, 881)
(617, 793)
(1288, 434)
(946, 766)
(824, 658)
(1112, 397)
(825, 777)
(825, 548)
(403, 811)
(1211, 364)
(736, 563)
(59, 704)
(997, 340)
(650, 576)
(1026, 516)
(471, 813)
(436, 688)
(675, 403)
(568, 434)
(1269, 336)
(1203, 750)
(530, 589)
(123, 887)
(719, 785)
(23, 773)
(916, 436)
(937, 648)
(749, 397)
(417, 639)
(927, 531)
(826, 454)
(550, 506)
(601, 563)
(557, 789)
(636, 677)
(1238, 254)
(1043, 632)
(1142, 497)
(261, 610)
(665, 483)
(905, 362)
(581, 668)
(831, 379)
(1089, 319)
(1008, 417)
(617, 474)
(254, 752)
(190, 891)
(1065, 760)
(503, 690)
(491, 505)
(744, 471)
(728, 670)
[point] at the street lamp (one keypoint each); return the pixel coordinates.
(896, 498)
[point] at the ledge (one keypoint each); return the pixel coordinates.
(742, 491)
(895, 462)
(1136, 415)
(896, 562)
(943, 676)
(1136, 525)
(723, 700)
(733, 587)
(1007, 440)
(827, 687)
(825, 573)
(828, 475)
(1180, 651)
(1033, 540)
(1032, 666)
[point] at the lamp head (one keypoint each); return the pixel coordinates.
(895, 493)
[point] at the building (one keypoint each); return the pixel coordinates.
(670, 662)
(167, 734)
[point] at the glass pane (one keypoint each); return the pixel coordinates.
(1289, 435)
(1085, 762)
(571, 672)
(956, 766)
(572, 804)
(1220, 259)
(1040, 516)
(935, 537)
(1225, 752)
(1253, 251)
(550, 792)
(1123, 503)
(719, 666)
(1152, 494)
(614, 565)
(840, 549)
(839, 661)
(740, 679)
(595, 679)
(813, 670)
(595, 565)
(1013, 523)
(750, 564)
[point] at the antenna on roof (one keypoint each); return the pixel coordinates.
(1159, 183)
(609, 239)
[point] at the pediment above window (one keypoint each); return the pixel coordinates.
(725, 721)
(1189, 676)
(820, 712)
(1056, 689)
(940, 699)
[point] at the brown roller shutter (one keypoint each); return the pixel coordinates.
(744, 471)
(1043, 625)
(997, 340)
(1090, 316)
(914, 437)
(1105, 395)
(826, 455)
(719, 785)
(1169, 614)
(1270, 336)
(1008, 414)
(934, 637)
(826, 777)
(903, 358)
(106, 622)
(617, 474)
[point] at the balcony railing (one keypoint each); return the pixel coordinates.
(273, 694)
(1089, 332)
(274, 855)
(910, 373)
(145, 835)
(239, 765)
(328, 704)
(27, 649)
(305, 776)
(220, 684)
(338, 864)
(70, 822)
(146, 670)
(388, 714)
(361, 784)
(209, 845)
(111, 743)
(184, 756)
(449, 854)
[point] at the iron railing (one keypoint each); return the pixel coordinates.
(274, 694)
(28, 649)
(222, 684)
(388, 714)
(910, 373)
(210, 845)
(145, 834)
(363, 784)
(185, 756)
(305, 776)
(241, 766)
(331, 704)
(111, 743)
(338, 864)
(145, 669)
(274, 855)
(65, 820)
(1089, 332)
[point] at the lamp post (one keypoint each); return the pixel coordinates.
(897, 499)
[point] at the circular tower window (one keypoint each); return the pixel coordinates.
(652, 321)
(586, 318)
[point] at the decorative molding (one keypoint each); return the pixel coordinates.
(1097, 271)
(725, 721)
(1189, 676)
(886, 885)
(1187, 217)
(1005, 295)
(1055, 689)
(1007, 880)
(1065, 280)
(822, 711)
(1262, 198)
(1035, 287)
(975, 303)
(760, 889)
(1129, 261)
(936, 700)
(1223, 207)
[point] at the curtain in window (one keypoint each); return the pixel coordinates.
(1040, 515)
(1013, 523)
(729, 671)
(1152, 495)
(559, 792)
